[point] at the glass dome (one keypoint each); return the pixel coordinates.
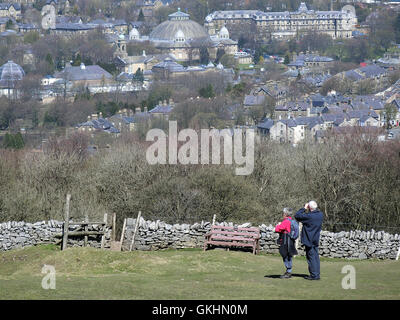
(10, 73)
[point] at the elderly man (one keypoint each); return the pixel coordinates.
(312, 219)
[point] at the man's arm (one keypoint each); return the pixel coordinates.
(301, 215)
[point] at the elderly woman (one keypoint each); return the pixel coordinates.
(287, 247)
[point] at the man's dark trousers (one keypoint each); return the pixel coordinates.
(313, 261)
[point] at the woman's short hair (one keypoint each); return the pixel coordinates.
(287, 211)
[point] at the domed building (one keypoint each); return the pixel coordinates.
(10, 74)
(179, 22)
(184, 38)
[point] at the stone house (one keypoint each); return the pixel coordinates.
(163, 109)
(85, 76)
(275, 90)
(12, 10)
(310, 60)
(295, 130)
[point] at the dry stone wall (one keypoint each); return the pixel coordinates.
(15, 234)
(155, 235)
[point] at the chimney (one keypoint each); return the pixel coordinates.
(101, 115)
(159, 103)
(144, 53)
(83, 67)
(171, 102)
(137, 110)
(145, 109)
(89, 118)
(165, 102)
(94, 116)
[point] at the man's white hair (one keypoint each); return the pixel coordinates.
(313, 205)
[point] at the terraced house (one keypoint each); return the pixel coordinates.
(12, 10)
(281, 25)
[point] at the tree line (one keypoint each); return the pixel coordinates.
(355, 181)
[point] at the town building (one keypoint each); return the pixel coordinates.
(12, 10)
(310, 61)
(10, 75)
(163, 109)
(71, 29)
(28, 27)
(283, 25)
(272, 89)
(83, 76)
(242, 57)
(186, 39)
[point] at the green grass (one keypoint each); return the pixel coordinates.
(87, 273)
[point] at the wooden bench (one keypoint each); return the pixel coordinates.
(233, 237)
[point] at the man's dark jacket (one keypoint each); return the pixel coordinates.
(312, 224)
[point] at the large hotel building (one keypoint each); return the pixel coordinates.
(284, 25)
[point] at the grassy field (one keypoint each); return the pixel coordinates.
(87, 273)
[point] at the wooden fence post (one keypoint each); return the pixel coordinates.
(134, 232)
(66, 223)
(123, 234)
(103, 237)
(213, 222)
(86, 229)
(114, 227)
(398, 254)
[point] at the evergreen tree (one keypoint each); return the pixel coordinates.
(139, 75)
(8, 141)
(78, 60)
(13, 141)
(9, 24)
(207, 92)
(18, 141)
(50, 61)
(141, 15)
(287, 59)
(204, 55)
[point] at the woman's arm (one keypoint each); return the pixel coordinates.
(283, 226)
